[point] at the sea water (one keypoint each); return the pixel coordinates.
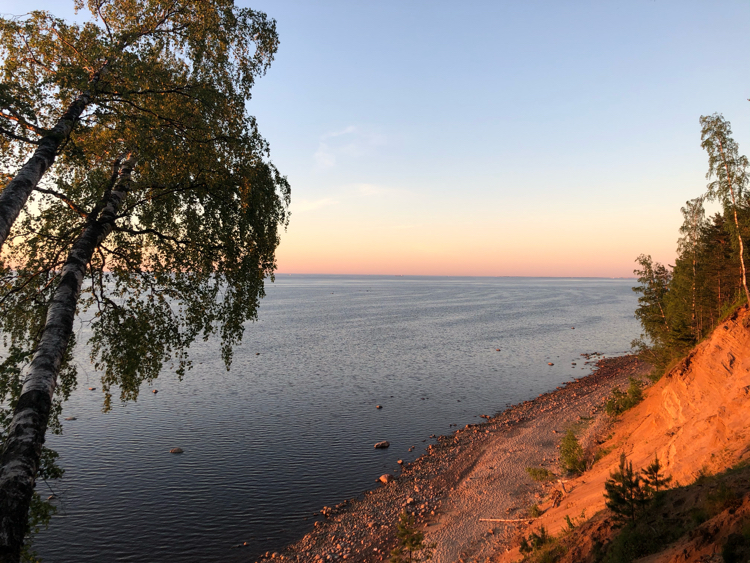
(291, 427)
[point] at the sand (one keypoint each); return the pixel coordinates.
(478, 472)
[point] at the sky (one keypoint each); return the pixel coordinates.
(492, 138)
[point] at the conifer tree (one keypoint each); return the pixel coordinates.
(625, 493)
(411, 547)
(654, 478)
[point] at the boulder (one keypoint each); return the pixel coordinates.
(382, 445)
(176, 451)
(386, 478)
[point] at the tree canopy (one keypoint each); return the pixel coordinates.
(680, 304)
(157, 215)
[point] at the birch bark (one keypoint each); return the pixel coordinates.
(14, 196)
(736, 222)
(19, 459)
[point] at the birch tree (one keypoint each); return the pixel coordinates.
(688, 247)
(55, 74)
(729, 169)
(159, 219)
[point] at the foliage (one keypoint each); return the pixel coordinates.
(678, 511)
(571, 453)
(626, 492)
(653, 477)
(534, 511)
(195, 236)
(536, 540)
(411, 546)
(540, 474)
(736, 549)
(679, 305)
(620, 401)
(198, 232)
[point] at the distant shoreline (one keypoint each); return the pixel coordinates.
(421, 276)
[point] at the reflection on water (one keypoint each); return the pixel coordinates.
(287, 431)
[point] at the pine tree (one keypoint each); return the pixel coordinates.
(654, 478)
(626, 496)
(411, 547)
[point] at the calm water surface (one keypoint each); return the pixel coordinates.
(290, 430)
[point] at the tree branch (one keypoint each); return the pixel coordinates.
(64, 199)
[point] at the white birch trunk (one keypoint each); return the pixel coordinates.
(19, 459)
(736, 223)
(14, 196)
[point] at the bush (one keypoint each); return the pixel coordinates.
(535, 541)
(620, 401)
(541, 474)
(736, 549)
(571, 454)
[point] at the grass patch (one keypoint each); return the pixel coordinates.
(540, 474)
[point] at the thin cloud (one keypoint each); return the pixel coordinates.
(308, 205)
(350, 142)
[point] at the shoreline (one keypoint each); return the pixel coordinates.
(476, 472)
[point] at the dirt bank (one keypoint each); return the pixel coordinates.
(476, 472)
(694, 419)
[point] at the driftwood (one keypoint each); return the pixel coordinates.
(505, 519)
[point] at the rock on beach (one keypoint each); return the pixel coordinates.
(382, 445)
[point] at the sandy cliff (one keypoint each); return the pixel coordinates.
(695, 419)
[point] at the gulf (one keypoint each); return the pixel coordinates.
(291, 427)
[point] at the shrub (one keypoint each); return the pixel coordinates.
(535, 541)
(571, 454)
(620, 401)
(540, 474)
(736, 549)
(535, 511)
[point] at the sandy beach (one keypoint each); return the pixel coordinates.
(478, 472)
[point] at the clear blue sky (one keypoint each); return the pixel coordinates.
(493, 138)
